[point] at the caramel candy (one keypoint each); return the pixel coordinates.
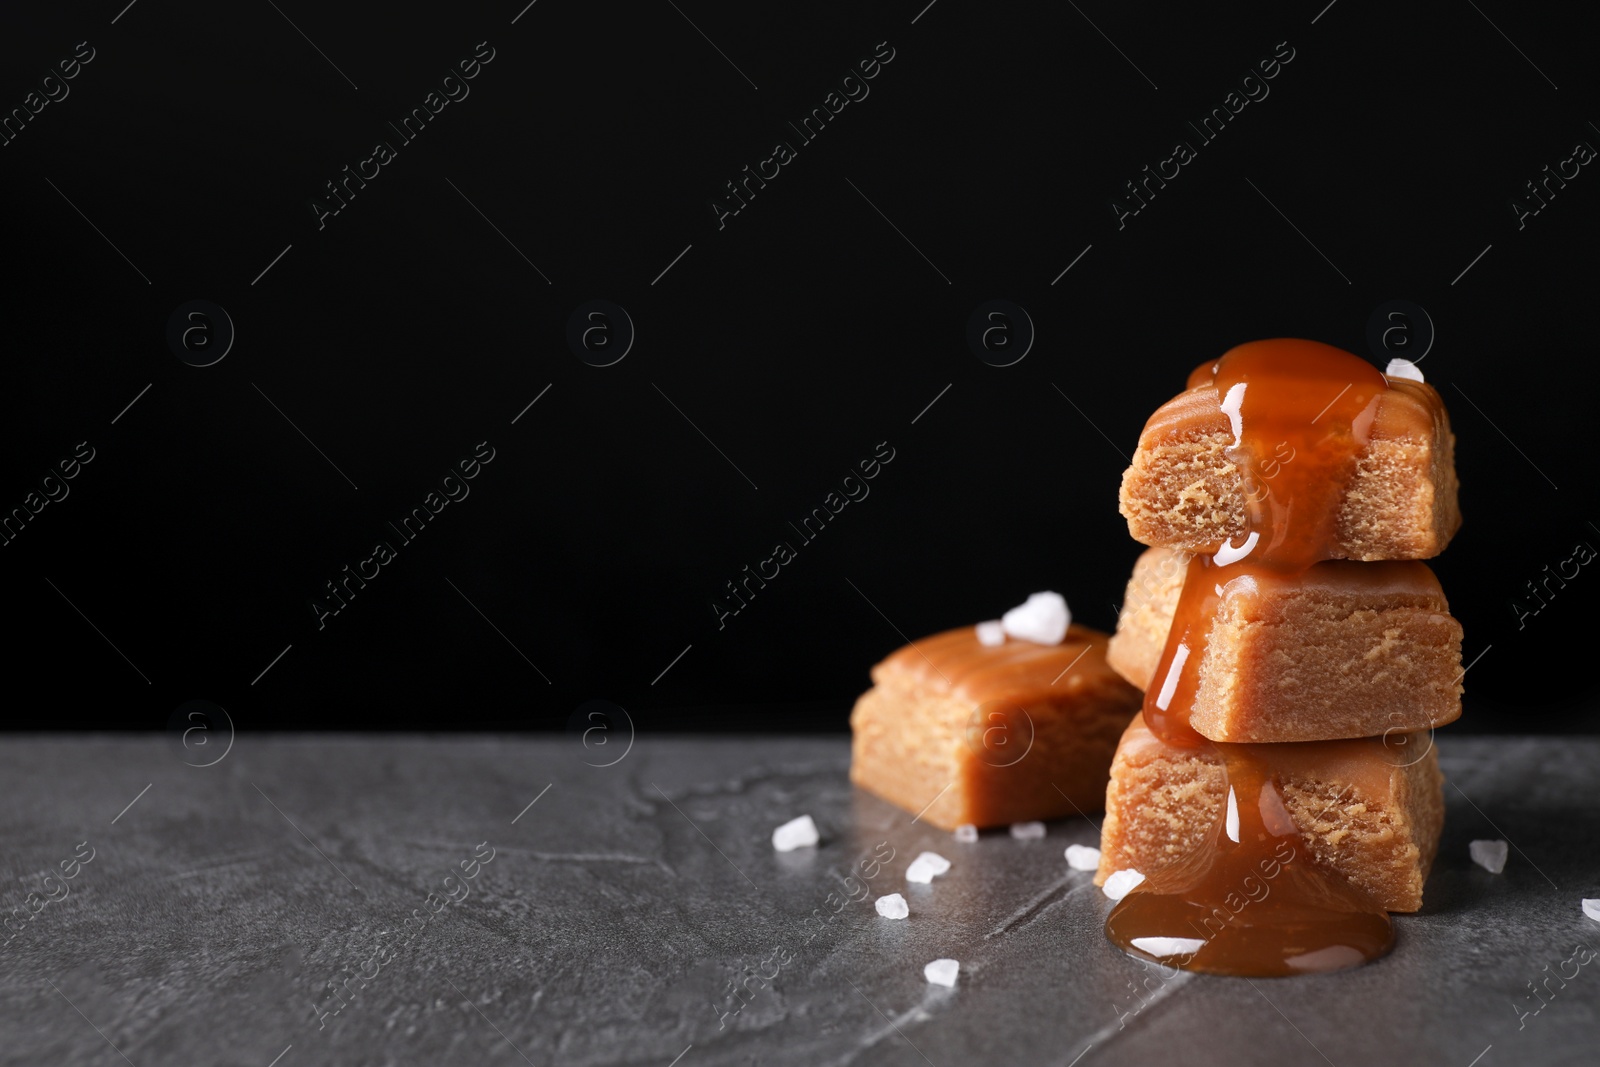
(1399, 502)
(1343, 649)
(1370, 808)
(991, 735)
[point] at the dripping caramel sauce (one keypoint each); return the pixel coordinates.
(1251, 901)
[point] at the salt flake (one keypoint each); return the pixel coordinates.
(796, 833)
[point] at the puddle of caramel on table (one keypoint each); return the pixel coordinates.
(1252, 902)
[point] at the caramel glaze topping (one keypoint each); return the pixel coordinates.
(955, 662)
(1316, 405)
(1406, 411)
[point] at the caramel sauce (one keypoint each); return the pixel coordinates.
(1201, 375)
(1250, 901)
(956, 663)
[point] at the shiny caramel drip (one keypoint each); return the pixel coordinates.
(1177, 678)
(1301, 413)
(1256, 905)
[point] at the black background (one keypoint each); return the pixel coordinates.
(796, 338)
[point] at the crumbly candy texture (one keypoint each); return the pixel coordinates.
(1401, 502)
(947, 711)
(1372, 811)
(1343, 653)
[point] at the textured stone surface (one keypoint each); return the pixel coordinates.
(619, 907)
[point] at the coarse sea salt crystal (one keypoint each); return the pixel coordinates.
(1490, 855)
(1591, 908)
(926, 867)
(966, 833)
(1027, 831)
(1042, 618)
(796, 833)
(1403, 368)
(942, 972)
(1121, 883)
(892, 906)
(1083, 858)
(991, 633)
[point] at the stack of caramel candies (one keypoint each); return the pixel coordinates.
(1279, 791)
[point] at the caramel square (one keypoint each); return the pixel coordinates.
(1400, 502)
(1344, 649)
(1371, 808)
(991, 735)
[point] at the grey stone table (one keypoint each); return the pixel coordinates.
(251, 913)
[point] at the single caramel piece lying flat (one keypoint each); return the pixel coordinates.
(991, 735)
(1399, 502)
(1344, 649)
(1370, 809)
